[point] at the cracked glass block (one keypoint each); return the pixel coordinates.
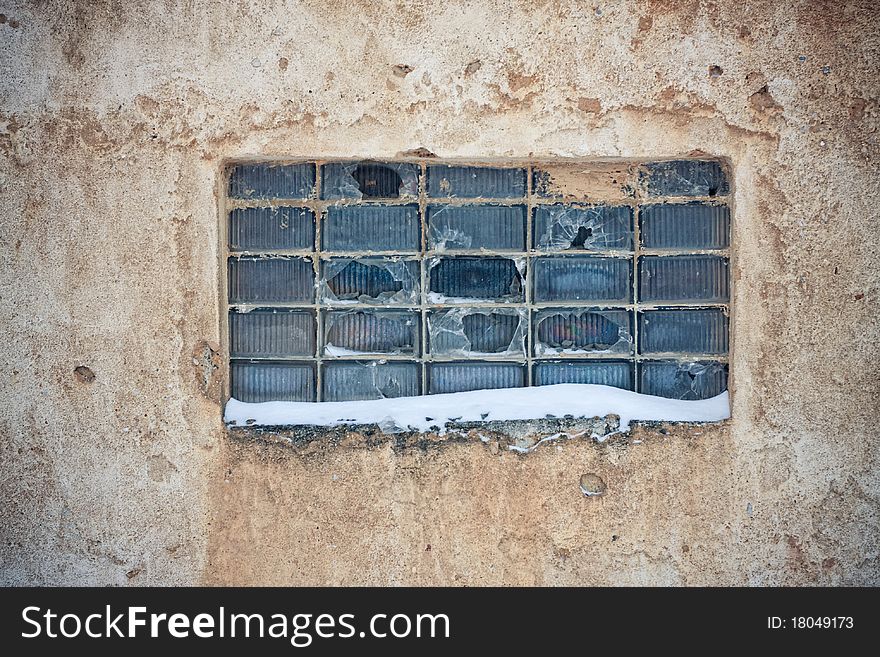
(683, 278)
(371, 228)
(566, 227)
(271, 333)
(262, 382)
(464, 279)
(684, 178)
(618, 374)
(475, 182)
(461, 377)
(365, 180)
(259, 280)
(272, 181)
(369, 280)
(582, 331)
(583, 278)
(468, 331)
(494, 227)
(692, 225)
(675, 380)
(352, 381)
(271, 228)
(701, 331)
(357, 332)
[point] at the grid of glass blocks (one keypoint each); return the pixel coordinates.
(365, 280)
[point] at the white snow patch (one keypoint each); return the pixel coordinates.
(423, 413)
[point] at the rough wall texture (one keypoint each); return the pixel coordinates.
(115, 121)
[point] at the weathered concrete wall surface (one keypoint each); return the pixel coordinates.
(115, 120)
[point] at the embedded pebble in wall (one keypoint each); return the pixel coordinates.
(592, 485)
(83, 374)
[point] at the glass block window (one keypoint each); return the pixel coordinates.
(365, 280)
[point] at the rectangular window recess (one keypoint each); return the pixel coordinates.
(365, 279)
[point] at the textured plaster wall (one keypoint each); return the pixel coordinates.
(115, 121)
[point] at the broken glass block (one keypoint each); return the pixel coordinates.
(677, 380)
(258, 280)
(353, 332)
(494, 227)
(618, 374)
(468, 331)
(369, 280)
(567, 227)
(262, 382)
(582, 330)
(684, 178)
(272, 181)
(371, 228)
(683, 278)
(463, 279)
(364, 180)
(475, 182)
(692, 225)
(461, 377)
(351, 381)
(701, 331)
(268, 333)
(583, 278)
(271, 228)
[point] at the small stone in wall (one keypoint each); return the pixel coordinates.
(592, 485)
(83, 374)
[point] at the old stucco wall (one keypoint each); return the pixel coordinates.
(116, 118)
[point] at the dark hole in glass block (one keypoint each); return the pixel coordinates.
(684, 178)
(582, 278)
(477, 278)
(565, 227)
(271, 228)
(702, 331)
(490, 333)
(262, 382)
(272, 181)
(271, 333)
(372, 228)
(463, 331)
(371, 332)
(618, 374)
(572, 330)
(377, 181)
(477, 227)
(685, 226)
(371, 280)
(476, 182)
(356, 180)
(462, 377)
(258, 280)
(683, 278)
(689, 381)
(351, 381)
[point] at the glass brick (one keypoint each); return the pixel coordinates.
(618, 374)
(348, 333)
(494, 227)
(467, 331)
(683, 278)
(262, 382)
(457, 280)
(461, 377)
(582, 331)
(259, 280)
(684, 226)
(272, 181)
(700, 331)
(271, 333)
(684, 178)
(475, 182)
(367, 180)
(352, 381)
(271, 228)
(675, 380)
(370, 281)
(371, 228)
(567, 227)
(583, 278)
